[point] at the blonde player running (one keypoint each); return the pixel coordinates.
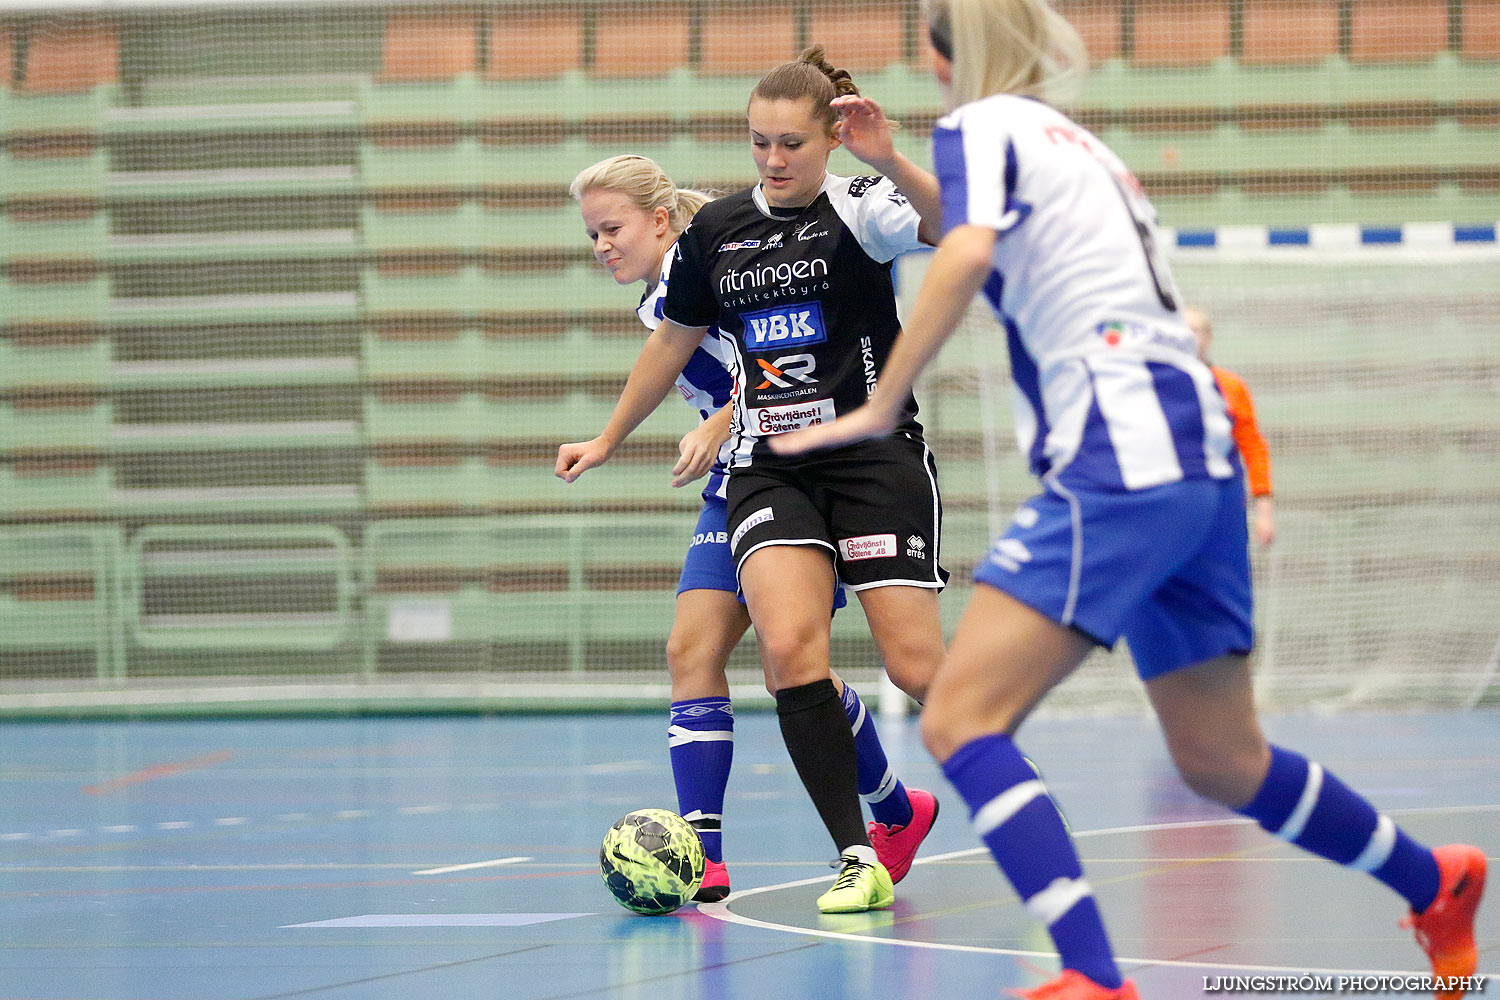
(633, 214)
(1139, 530)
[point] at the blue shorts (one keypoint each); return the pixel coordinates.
(1166, 568)
(710, 561)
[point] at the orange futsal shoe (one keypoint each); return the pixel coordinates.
(896, 846)
(1074, 985)
(715, 884)
(1445, 930)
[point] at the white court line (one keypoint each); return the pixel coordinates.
(471, 865)
(721, 911)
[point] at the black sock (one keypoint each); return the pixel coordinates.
(817, 737)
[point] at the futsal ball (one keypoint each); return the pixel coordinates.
(652, 861)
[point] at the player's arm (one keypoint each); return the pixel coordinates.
(866, 133)
(662, 357)
(700, 446)
(1255, 453)
(1265, 520)
(1257, 456)
(1252, 444)
(958, 271)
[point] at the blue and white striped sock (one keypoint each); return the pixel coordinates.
(1018, 822)
(1305, 805)
(700, 741)
(878, 784)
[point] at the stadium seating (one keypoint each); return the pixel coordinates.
(53, 423)
(213, 586)
(428, 45)
(1179, 33)
(541, 42)
(71, 55)
(1289, 32)
(59, 594)
(505, 583)
(645, 40)
(1392, 31)
(502, 571)
(741, 40)
(863, 35)
(1098, 23)
(1481, 29)
(328, 274)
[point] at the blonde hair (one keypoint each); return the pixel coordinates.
(1022, 47)
(642, 180)
(809, 77)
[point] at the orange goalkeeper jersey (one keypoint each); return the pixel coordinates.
(1247, 435)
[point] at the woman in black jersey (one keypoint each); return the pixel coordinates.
(796, 274)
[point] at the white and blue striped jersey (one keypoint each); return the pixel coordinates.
(705, 382)
(1109, 391)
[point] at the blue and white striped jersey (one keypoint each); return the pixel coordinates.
(705, 382)
(1109, 390)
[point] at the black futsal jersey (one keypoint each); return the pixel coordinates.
(805, 297)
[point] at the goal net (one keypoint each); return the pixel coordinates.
(1373, 373)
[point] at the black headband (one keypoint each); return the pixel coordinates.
(940, 33)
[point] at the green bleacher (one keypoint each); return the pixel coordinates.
(290, 286)
(59, 591)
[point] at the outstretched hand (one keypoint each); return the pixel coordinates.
(860, 425)
(573, 460)
(865, 130)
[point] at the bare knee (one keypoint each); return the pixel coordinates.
(793, 653)
(1229, 772)
(696, 654)
(912, 665)
(935, 736)
(1207, 713)
(690, 654)
(908, 633)
(953, 718)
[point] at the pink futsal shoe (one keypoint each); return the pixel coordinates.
(896, 846)
(1074, 985)
(1445, 930)
(715, 884)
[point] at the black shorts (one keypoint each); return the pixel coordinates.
(874, 505)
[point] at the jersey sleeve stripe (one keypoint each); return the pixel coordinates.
(952, 171)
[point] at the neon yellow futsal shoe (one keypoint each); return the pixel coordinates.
(860, 886)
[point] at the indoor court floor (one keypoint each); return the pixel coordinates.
(457, 857)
